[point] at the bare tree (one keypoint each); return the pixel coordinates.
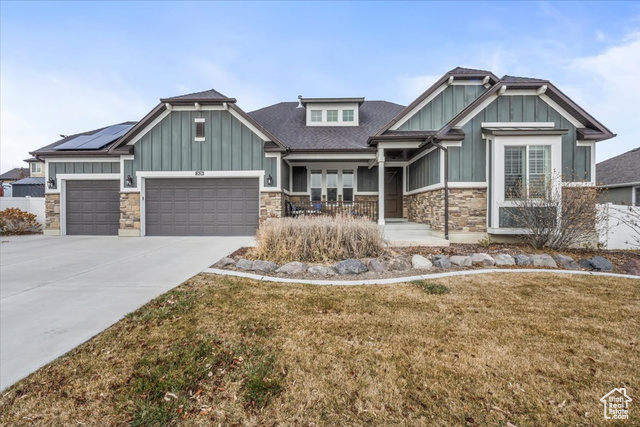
(625, 215)
(554, 216)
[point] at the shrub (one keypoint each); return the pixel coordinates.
(317, 239)
(432, 288)
(16, 221)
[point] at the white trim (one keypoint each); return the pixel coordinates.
(421, 155)
(452, 144)
(331, 156)
(381, 179)
(395, 164)
(279, 170)
(591, 144)
(400, 144)
(248, 124)
(366, 193)
(492, 230)
(562, 111)
(515, 92)
(634, 190)
(61, 186)
(440, 185)
(199, 120)
(431, 187)
(541, 90)
(418, 107)
(468, 184)
(578, 184)
(624, 184)
(83, 159)
(270, 154)
(150, 126)
(199, 139)
(517, 124)
(476, 111)
(468, 82)
(124, 189)
(202, 108)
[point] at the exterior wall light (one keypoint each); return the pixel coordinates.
(270, 180)
(128, 181)
(51, 183)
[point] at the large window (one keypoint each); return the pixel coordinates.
(347, 115)
(527, 171)
(347, 185)
(316, 115)
(332, 115)
(316, 185)
(36, 167)
(332, 186)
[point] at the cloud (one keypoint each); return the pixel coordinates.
(600, 35)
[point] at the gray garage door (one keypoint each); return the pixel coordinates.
(93, 207)
(201, 207)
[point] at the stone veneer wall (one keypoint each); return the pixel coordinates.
(467, 209)
(270, 205)
(130, 211)
(52, 212)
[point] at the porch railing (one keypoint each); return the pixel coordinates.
(367, 209)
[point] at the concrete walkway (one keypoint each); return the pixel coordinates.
(57, 292)
(407, 278)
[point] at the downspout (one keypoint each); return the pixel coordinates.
(445, 150)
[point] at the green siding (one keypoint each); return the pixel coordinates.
(443, 107)
(284, 168)
(617, 195)
(228, 145)
(468, 162)
(424, 171)
(56, 168)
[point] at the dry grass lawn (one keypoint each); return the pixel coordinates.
(529, 350)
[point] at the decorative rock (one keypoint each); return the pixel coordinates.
(350, 266)
(566, 262)
(244, 264)
(482, 259)
(400, 264)
(294, 267)
(461, 261)
(601, 264)
(585, 263)
(225, 262)
(376, 265)
(441, 261)
(522, 259)
(265, 266)
(631, 267)
(421, 263)
(543, 260)
(321, 270)
(504, 259)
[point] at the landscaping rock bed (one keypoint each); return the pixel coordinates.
(404, 263)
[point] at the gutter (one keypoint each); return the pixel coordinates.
(445, 150)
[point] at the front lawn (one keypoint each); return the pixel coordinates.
(479, 350)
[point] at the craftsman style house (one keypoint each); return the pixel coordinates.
(197, 164)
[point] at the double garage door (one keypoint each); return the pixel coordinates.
(173, 207)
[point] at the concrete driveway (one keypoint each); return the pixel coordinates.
(57, 292)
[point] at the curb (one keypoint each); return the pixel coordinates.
(405, 279)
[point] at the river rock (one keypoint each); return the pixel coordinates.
(321, 270)
(543, 260)
(482, 259)
(461, 261)
(264, 266)
(350, 266)
(441, 261)
(244, 264)
(504, 259)
(225, 262)
(294, 267)
(566, 262)
(376, 265)
(522, 259)
(421, 263)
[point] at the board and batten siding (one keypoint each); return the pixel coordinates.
(56, 168)
(425, 171)
(444, 107)
(284, 169)
(228, 145)
(468, 162)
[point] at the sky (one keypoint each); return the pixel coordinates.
(68, 67)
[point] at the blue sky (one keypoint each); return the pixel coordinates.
(71, 66)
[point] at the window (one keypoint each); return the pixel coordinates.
(332, 186)
(316, 186)
(637, 190)
(347, 186)
(199, 129)
(36, 167)
(526, 171)
(347, 115)
(316, 115)
(332, 115)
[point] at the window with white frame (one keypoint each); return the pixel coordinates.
(316, 185)
(316, 116)
(332, 185)
(36, 167)
(347, 185)
(332, 115)
(527, 171)
(347, 115)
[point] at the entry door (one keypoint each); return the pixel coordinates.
(393, 192)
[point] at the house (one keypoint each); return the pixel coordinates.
(8, 178)
(197, 164)
(33, 185)
(620, 179)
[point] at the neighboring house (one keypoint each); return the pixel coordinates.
(9, 177)
(33, 185)
(620, 179)
(197, 164)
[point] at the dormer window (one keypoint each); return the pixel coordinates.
(316, 116)
(332, 115)
(332, 111)
(347, 115)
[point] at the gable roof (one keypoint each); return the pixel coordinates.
(622, 169)
(50, 150)
(288, 123)
(15, 174)
(459, 72)
(204, 96)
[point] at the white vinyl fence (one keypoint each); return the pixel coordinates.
(621, 228)
(34, 205)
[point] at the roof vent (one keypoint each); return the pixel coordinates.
(300, 102)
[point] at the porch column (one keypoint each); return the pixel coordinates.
(381, 186)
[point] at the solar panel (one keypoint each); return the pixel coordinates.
(95, 141)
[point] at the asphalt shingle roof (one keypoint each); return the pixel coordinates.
(206, 95)
(288, 123)
(516, 79)
(621, 169)
(15, 173)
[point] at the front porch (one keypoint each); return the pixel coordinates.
(401, 232)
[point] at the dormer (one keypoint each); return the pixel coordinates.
(332, 111)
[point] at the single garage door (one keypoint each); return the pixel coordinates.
(201, 207)
(93, 207)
